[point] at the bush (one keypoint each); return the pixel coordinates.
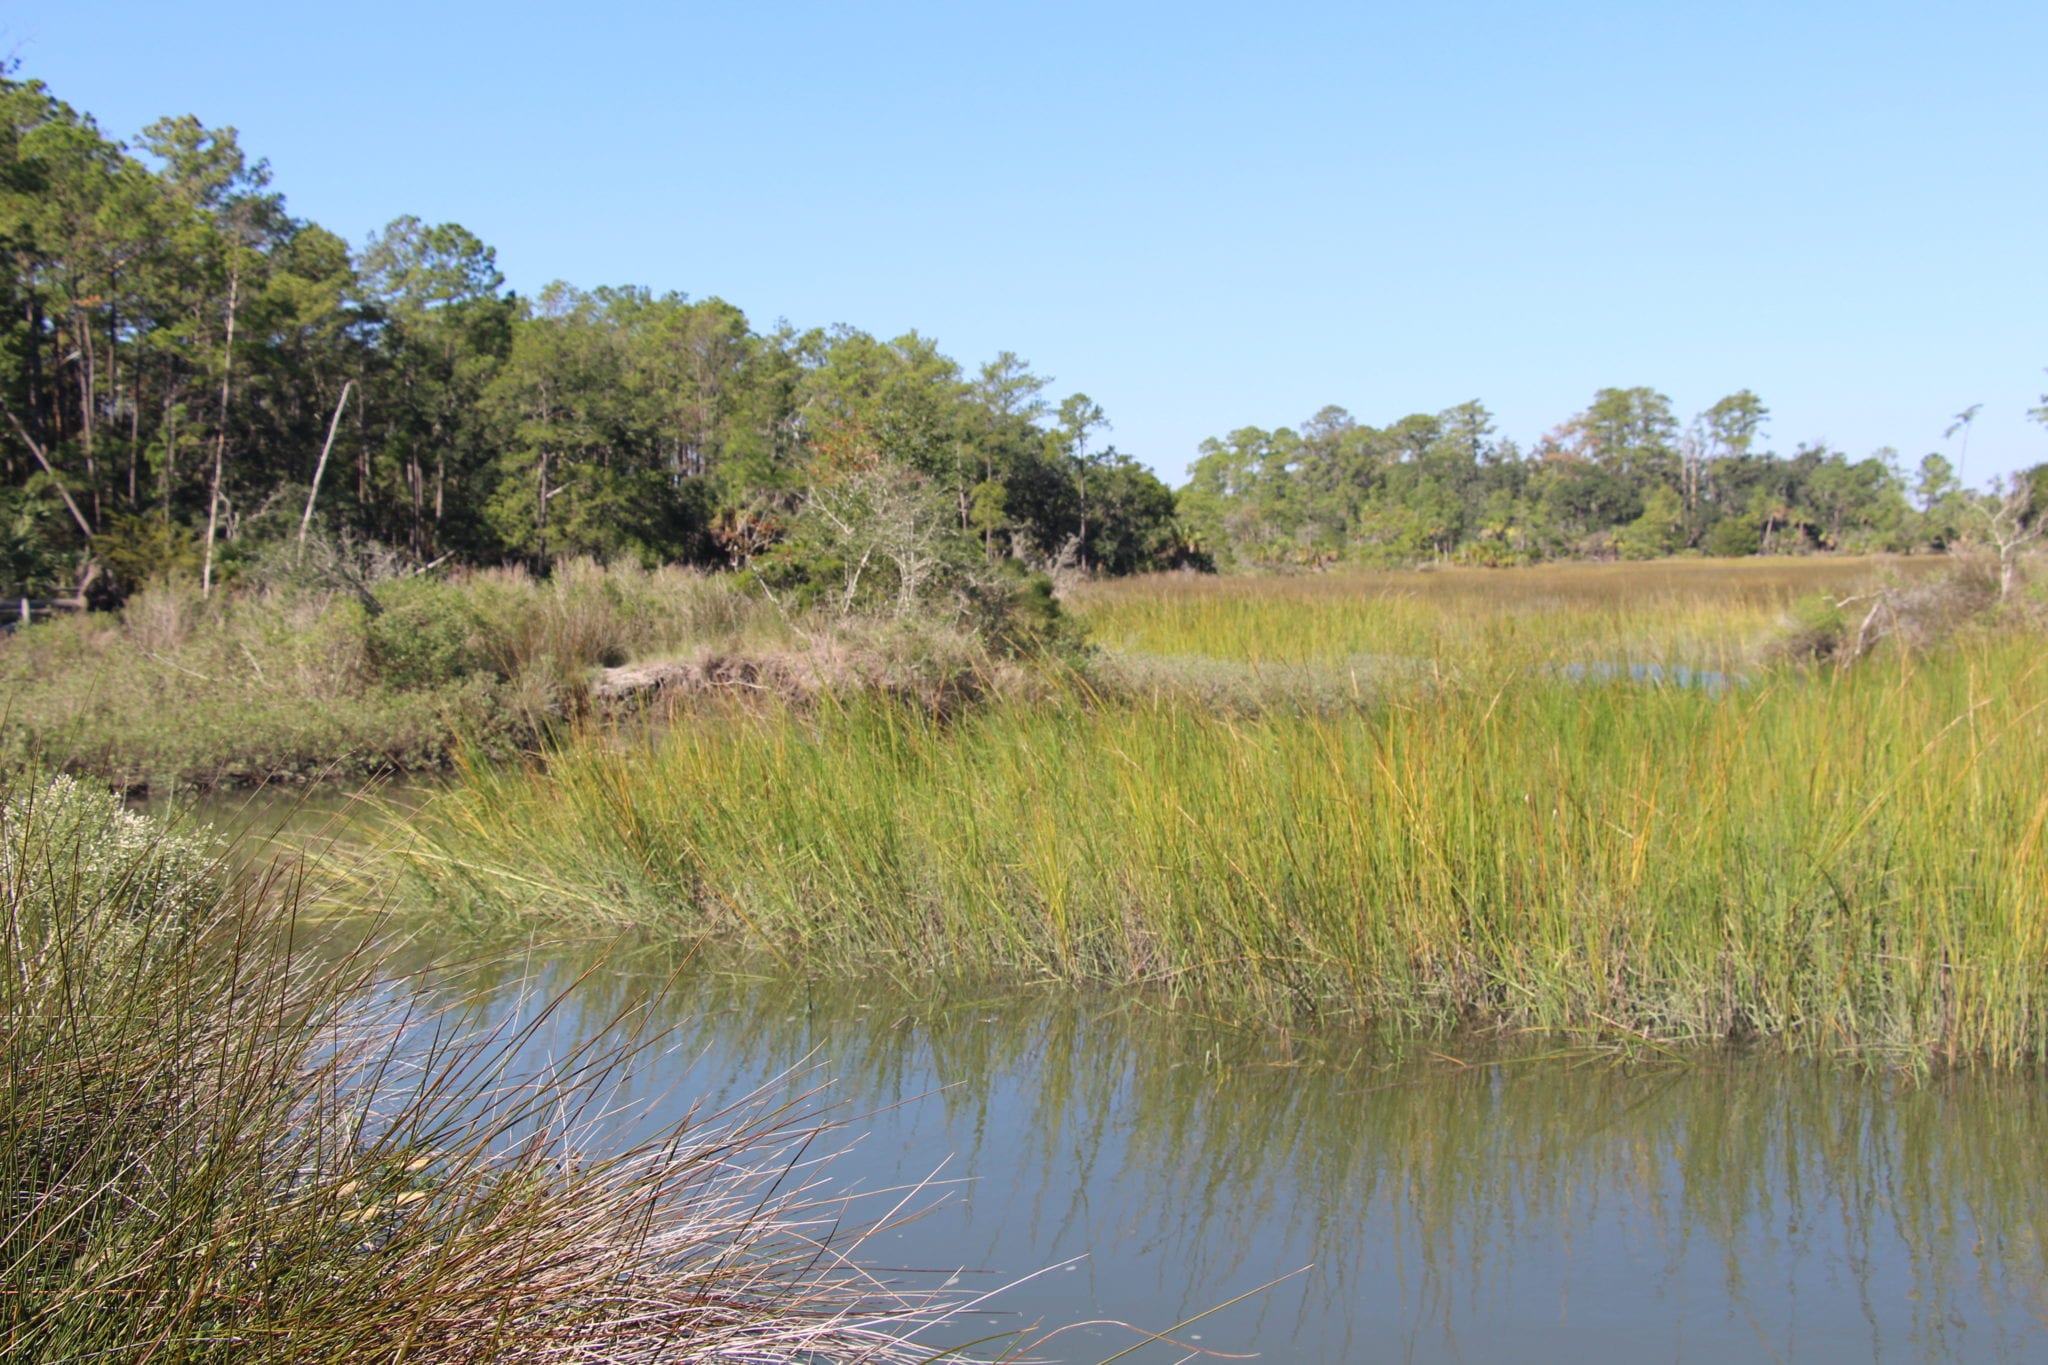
(1914, 616)
(424, 633)
(69, 850)
(1017, 613)
(163, 613)
(875, 540)
(138, 548)
(1818, 629)
(1658, 531)
(1733, 538)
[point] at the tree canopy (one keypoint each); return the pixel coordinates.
(1622, 478)
(188, 372)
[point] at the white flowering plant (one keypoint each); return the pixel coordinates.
(72, 855)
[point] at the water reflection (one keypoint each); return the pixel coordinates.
(1526, 1207)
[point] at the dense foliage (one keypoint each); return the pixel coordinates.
(189, 375)
(1621, 479)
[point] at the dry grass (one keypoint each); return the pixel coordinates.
(287, 684)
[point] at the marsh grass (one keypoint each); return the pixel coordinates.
(290, 683)
(223, 1143)
(1830, 861)
(1715, 614)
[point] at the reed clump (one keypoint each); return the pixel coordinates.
(1828, 860)
(219, 1144)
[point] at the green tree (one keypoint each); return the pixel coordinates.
(1658, 530)
(443, 329)
(1719, 437)
(1630, 433)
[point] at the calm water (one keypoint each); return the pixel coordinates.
(1560, 1207)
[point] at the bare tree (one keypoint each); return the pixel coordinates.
(2009, 527)
(220, 438)
(306, 521)
(886, 515)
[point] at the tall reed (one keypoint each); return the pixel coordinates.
(1836, 861)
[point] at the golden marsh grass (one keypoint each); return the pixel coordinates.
(1837, 861)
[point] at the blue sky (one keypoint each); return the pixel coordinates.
(1208, 216)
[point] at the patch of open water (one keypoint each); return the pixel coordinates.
(1527, 1205)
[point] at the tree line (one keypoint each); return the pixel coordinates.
(1624, 478)
(190, 375)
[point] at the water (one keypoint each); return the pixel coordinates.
(1711, 681)
(1465, 1204)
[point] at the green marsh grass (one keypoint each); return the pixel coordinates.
(1835, 861)
(1703, 613)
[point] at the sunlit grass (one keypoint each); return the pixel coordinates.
(1714, 614)
(1832, 861)
(288, 683)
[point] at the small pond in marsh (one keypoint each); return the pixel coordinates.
(1541, 1203)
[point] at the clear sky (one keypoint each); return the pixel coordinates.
(1207, 216)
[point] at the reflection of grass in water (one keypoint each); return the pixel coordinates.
(1454, 1166)
(1839, 862)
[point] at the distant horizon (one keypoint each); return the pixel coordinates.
(1204, 222)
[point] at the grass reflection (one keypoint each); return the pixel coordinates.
(1428, 1187)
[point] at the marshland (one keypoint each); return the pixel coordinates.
(1343, 924)
(571, 825)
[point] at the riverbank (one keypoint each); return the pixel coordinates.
(1835, 861)
(292, 682)
(296, 681)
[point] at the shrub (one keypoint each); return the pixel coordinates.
(1915, 616)
(137, 548)
(1818, 628)
(71, 851)
(872, 540)
(425, 632)
(1658, 531)
(1017, 613)
(163, 613)
(1733, 538)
